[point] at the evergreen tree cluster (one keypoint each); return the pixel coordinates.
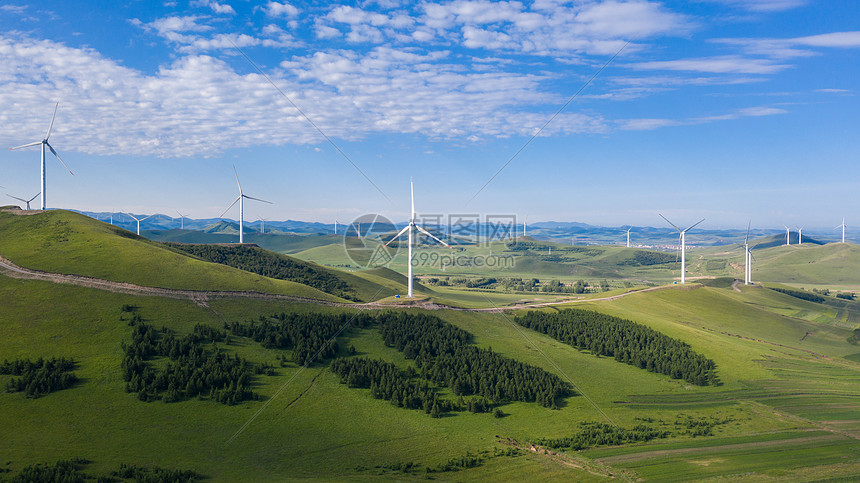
(626, 341)
(304, 334)
(66, 471)
(268, 264)
(387, 382)
(800, 294)
(191, 369)
(39, 377)
(154, 474)
(602, 434)
(444, 356)
(647, 257)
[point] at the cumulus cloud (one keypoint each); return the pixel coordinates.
(277, 9)
(220, 8)
(200, 106)
(543, 28)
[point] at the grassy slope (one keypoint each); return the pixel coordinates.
(70, 243)
(331, 430)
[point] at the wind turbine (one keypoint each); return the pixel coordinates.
(838, 226)
(787, 233)
(37, 194)
(410, 228)
(747, 258)
(241, 200)
(628, 236)
(138, 220)
(44, 142)
(525, 222)
(262, 224)
(800, 235)
(336, 221)
(181, 220)
(683, 234)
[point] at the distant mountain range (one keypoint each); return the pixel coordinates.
(559, 232)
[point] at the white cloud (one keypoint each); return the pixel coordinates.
(764, 5)
(835, 39)
(728, 64)
(648, 124)
(200, 106)
(277, 9)
(590, 27)
(833, 91)
(18, 9)
(220, 8)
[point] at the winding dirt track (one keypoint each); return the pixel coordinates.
(202, 297)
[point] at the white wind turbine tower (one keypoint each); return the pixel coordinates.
(628, 236)
(181, 220)
(44, 142)
(525, 222)
(683, 244)
(336, 221)
(838, 226)
(241, 200)
(787, 235)
(747, 258)
(262, 224)
(800, 235)
(37, 194)
(138, 220)
(410, 228)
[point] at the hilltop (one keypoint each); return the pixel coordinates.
(65, 242)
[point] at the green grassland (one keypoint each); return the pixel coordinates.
(789, 404)
(786, 408)
(69, 243)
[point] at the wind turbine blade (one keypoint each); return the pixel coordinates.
(33, 198)
(397, 236)
(237, 179)
(412, 192)
(26, 145)
(148, 217)
(691, 226)
(258, 199)
(422, 230)
(52, 121)
(19, 199)
(135, 218)
(58, 157)
(669, 222)
(231, 205)
(746, 239)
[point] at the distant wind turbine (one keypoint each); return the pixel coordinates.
(181, 220)
(839, 226)
(262, 224)
(683, 234)
(241, 200)
(138, 220)
(37, 194)
(336, 221)
(525, 222)
(787, 235)
(747, 258)
(800, 235)
(628, 236)
(410, 228)
(44, 142)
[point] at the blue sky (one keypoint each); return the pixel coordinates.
(729, 110)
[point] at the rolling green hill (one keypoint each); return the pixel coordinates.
(65, 242)
(786, 408)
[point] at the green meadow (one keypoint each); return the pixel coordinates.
(786, 408)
